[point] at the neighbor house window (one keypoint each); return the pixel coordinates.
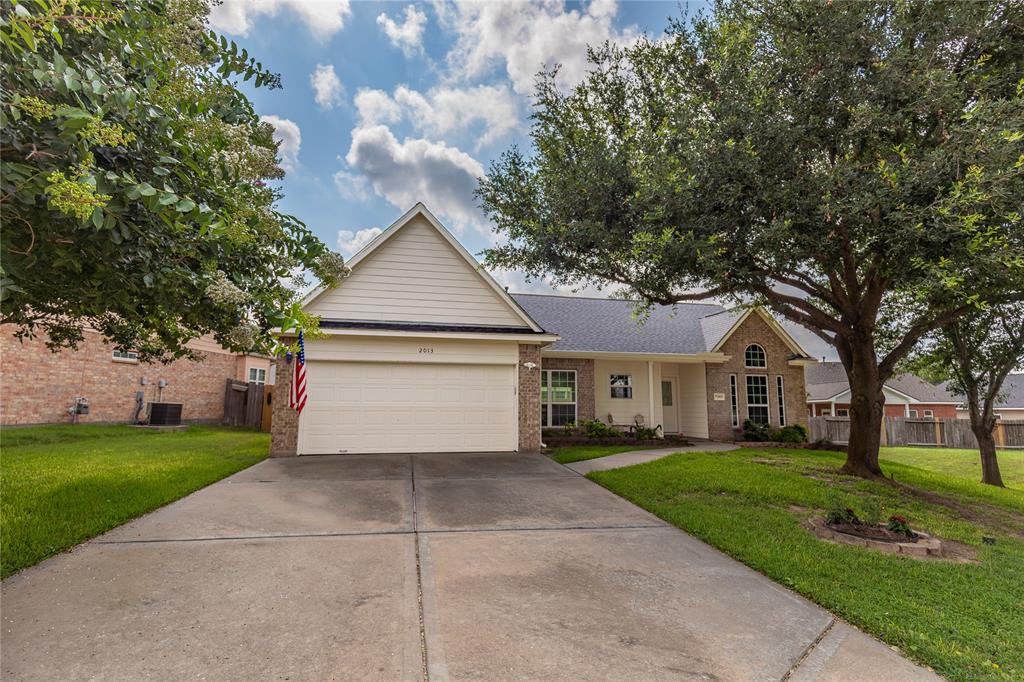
(257, 376)
(929, 414)
(557, 397)
(782, 400)
(754, 356)
(622, 385)
(913, 414)
(734, 401)
(757, 399)
(124, 356)
(842, 413)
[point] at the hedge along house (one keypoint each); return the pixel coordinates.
(424, 352)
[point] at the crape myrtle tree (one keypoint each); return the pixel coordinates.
(974, 354)
(134, 194)
(854, 167)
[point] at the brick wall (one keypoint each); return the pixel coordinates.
(38, 386)
(284, 422)
(754, 330)
(584, 382)
(529, 399)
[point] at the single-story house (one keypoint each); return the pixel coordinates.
(1010, 404)
(423, 351)
(906, 395)
(39, 386)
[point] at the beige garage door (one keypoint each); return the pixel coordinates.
(361, 407)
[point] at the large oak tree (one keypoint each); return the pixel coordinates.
(855, 167)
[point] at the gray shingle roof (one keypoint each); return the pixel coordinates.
(827, 379)
(609, 325)
(716, 326)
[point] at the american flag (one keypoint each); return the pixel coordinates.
(297, 390)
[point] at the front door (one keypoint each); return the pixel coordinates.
(668, 402)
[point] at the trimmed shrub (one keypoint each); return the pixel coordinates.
(794, 433)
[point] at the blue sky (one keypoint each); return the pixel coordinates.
(388, 103)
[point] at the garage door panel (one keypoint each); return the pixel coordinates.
(408, 407)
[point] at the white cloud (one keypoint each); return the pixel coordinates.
(326, 86)
(442, 110)
(524, 38)
(324, 18)
(375, 106)
(350, 242)
(351, 186)
(289, 137)
(446, 109)
(414, 170)
(408, 36)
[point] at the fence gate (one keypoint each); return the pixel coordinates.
(243, 404)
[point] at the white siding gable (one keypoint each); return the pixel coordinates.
(415, 276)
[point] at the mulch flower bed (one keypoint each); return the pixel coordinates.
(920, 546)
(862, 530)
(834, 447)
(562, 441)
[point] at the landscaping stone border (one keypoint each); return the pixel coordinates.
(924, 547)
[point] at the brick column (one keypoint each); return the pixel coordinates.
(529, 399)
(284, 423)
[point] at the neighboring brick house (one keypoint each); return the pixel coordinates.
(1009, 406)
(906, 395)
(38, 386)
(424, 352)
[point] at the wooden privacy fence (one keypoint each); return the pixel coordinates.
(244, 405)
(948, 433)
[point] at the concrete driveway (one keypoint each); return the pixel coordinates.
(397, 567)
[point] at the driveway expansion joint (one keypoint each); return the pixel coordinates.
(809, 650)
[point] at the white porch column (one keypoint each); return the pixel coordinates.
(832, 409)
(906, 410)
(650, 392)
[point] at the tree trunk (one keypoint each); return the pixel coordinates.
(987, 444)
(867, 408)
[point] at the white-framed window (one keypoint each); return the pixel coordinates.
(734, 401)
(124, 356)
(781, 392)
(257, 375)
(557, 397)
(621, 385)
(757, 398)
(842, 412)
(913, 414)
(755, 357)
(929, 414)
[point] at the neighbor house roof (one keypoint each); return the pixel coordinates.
(827, 380)
(1013, 392)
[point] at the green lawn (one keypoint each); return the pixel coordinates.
(964, 620)
(61, 485)
(964, 463)
(577, 453)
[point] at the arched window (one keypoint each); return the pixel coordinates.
(755, 357)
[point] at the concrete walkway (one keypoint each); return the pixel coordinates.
(625, 459)
(461, 567)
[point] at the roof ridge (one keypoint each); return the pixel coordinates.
(616, 300)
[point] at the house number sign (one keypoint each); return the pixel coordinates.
(719, 396)
(426, 349)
